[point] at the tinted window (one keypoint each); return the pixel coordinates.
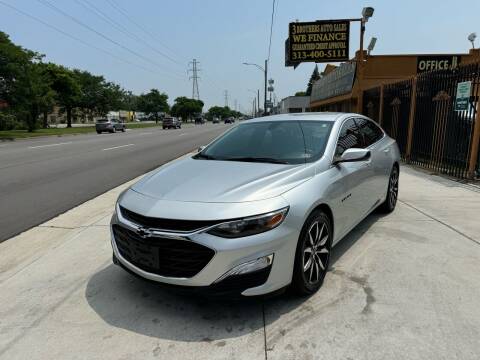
(316, 135)
(370, 132)
(349, 137)
(283, 141)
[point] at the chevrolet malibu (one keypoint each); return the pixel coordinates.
(259, 208)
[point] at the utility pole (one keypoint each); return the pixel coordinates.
(235, 104)
(194, 70)
(225, 94)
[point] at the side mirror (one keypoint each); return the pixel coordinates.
(200, 149)
(352, 155)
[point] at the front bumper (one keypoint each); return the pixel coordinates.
(229, 253)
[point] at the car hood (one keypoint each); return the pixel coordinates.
(198, 180)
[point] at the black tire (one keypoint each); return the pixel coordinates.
(123, 129)
(99, 132)
(315, 243)
(392, 192)
(164, 128)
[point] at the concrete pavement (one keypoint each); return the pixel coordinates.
(402, 286)
(43, 177)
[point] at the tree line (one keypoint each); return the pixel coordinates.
(31, 88)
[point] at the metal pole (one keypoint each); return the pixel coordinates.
(265, 93)
(258, 102)
(360, 69)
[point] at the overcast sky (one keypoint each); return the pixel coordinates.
(160, 37)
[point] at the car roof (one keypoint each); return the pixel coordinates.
(323, 116)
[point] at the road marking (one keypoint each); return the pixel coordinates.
(118, 147)
(49, 145)
(182, 134)
(145, 133)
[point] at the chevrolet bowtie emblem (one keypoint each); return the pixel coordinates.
(144, 232)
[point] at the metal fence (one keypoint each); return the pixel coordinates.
(420, 114)
(396, 111)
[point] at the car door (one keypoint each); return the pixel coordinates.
(352, 178)
(374, 139)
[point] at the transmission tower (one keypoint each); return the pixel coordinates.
(225, 94)
(194, 70)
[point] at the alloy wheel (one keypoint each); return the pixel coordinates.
(316, 252)
(393, 188)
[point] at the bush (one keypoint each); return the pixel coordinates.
(8, 122)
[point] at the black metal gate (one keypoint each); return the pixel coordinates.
(371, 103)
(397, 99)
(442, 136)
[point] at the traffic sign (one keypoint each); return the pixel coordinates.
(463, 95)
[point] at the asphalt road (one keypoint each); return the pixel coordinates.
(42, 178)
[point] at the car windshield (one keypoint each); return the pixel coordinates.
(284, 142)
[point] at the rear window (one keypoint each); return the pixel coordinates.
(102, 121)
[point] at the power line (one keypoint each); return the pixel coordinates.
(55, 8)
(91, 7)
(117, 7)
(74, 37)
(194, 77)
(271, 30)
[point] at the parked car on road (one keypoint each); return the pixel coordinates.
(296, 185)
(171, 123)
(109, 125)
(215, 120)
(229, 120)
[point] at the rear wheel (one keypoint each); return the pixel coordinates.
(123, 129)
(99, 132)
(392, 192)
(313, 254)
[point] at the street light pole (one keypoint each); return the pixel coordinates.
(265, 93)
(265, 74)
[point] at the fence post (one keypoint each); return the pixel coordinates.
(474, 145)
(411, 119)
(380, 110)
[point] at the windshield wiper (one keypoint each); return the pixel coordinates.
(204, 156)
(256, 159)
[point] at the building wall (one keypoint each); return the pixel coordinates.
(294, 104)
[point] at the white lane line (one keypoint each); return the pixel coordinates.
(49, 145)
(118, 147)
(182, 134)
(145, 133)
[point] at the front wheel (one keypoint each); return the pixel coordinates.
(313, 254)
(392, 192)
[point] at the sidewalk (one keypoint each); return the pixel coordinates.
(403, 286)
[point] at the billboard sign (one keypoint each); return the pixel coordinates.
(336, 82)
(318, 41)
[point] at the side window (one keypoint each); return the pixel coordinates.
(369, 132)
(349, 137)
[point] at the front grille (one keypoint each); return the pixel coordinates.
(162, 256)
(167, 224)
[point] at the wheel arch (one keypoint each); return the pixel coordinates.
(328, 211)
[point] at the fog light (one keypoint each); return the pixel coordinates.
(248, 267)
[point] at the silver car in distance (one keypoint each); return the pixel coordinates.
(260, 207)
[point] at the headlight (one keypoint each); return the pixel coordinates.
(251, 225)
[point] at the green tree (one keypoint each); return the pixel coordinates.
(222, 112)
(186, 108)
(65, 84)
(22, 82)
(315, 76)
(153, 103)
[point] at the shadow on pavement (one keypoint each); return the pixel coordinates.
(129, 303)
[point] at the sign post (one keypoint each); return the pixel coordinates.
(463, 96)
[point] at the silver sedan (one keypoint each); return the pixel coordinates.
(258, 209)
